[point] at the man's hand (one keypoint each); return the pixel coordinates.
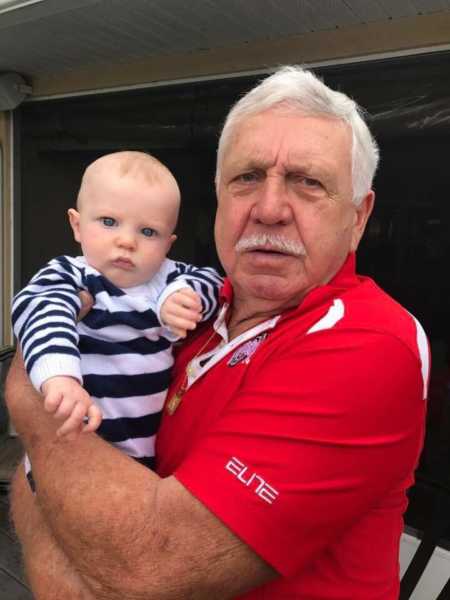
(67, 400)
(181, 311)
(87, 302)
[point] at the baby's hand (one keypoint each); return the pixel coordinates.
(181, 311)
(66, 399)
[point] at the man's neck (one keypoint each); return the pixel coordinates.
(245, 314)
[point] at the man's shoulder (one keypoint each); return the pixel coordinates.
(369, 307)
(355, 330)
(357, 313)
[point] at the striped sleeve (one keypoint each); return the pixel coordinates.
(206, 281)
(44, 316)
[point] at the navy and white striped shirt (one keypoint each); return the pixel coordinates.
(119, 351)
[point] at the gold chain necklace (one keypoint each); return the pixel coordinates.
(176, 399)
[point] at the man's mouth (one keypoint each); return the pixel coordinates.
(269, 251)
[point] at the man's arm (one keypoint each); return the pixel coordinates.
(332, 420)
(127, 532)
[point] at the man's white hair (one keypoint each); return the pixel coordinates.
(296, 89)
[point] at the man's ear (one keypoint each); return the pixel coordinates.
(74, 220)
(362, 214)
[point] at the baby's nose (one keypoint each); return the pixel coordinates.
(126, 240)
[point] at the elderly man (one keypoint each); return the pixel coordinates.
(294, 422)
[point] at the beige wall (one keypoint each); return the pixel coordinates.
(407, 34)
(5, 233)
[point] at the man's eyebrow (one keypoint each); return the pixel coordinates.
(307, 167)
(245, 164)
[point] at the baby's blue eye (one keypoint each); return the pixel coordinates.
(108, 221)
(148, 232)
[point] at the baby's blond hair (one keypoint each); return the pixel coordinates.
(128, 163)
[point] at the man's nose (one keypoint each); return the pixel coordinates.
(272, 205)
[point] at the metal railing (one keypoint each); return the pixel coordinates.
(438, 527)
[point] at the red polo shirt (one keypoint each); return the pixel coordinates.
(303, 439)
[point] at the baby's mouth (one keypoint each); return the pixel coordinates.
(123, 263)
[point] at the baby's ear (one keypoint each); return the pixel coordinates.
(74, 220)
(173, 237)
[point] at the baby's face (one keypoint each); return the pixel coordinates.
(124, 226)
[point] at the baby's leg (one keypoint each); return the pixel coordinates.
(48, 569)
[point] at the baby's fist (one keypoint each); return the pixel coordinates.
(181, 311)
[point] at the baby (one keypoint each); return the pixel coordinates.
(110, 371)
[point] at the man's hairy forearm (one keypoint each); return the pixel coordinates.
(127, 533)
(102, 511)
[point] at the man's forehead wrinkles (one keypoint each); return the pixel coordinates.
(263, 159)
(254, 150)
(250, 161)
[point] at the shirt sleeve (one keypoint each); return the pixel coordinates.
(204, 280)
(316, 435)
(44, 316)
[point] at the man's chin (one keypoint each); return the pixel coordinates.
(273, 288)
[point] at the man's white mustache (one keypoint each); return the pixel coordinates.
(267, 241)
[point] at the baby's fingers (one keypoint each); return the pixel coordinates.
(52, 401)
(182, 333)
(94, 415)
(189, 299)
(73, 424)
(182, 323)
(66, 408)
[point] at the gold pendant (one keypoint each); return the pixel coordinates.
(174, 403)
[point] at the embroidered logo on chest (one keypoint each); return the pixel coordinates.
(244, 352)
